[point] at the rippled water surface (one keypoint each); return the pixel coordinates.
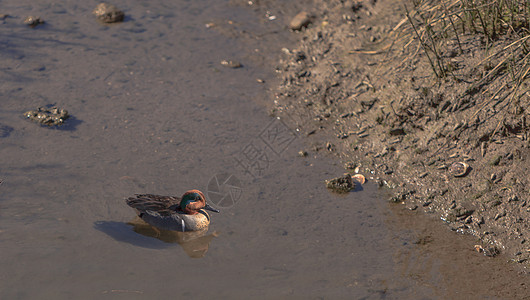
(153, 111)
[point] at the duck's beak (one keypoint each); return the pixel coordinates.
(208, 207)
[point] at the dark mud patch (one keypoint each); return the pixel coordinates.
(361, 87)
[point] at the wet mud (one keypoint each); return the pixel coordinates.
(455, 147)
(156, 112)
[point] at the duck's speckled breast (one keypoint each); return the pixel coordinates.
(196, 222)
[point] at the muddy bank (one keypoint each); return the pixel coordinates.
(152, 109)
(442, 120)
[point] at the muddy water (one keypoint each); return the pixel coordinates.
(155, 112)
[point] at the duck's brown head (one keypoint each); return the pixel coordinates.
(193, 201)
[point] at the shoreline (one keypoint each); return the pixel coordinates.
(355, 91)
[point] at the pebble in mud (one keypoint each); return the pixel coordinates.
(108, 13)
(488, 251)
(231, 64)
(33, 21)
(50, 117)
(459, 169)
(301, 20)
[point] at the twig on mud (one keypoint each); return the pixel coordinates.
(361, 51)
(399, 24)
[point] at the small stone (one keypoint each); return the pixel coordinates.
(411, 206)
(357, 5)
(301, 20)
(491, 251)
(459, 169)
(108, 13)
(231, 64)
(397, 131)
(33, 21)
(302, 153)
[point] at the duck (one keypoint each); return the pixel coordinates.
(187, 213)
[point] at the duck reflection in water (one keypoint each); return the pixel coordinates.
(194, 243)
(174, 220)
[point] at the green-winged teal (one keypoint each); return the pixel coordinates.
(173, 213)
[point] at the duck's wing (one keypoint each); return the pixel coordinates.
(156, 203)
(172, 221)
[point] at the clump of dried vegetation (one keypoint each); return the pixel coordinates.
(447, 29)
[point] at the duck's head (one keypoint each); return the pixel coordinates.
(193, 201)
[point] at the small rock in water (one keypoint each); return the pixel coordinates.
(341, 184)
(50, 117)
(231, 64)
(108, 13)
(301, 20)
(33, 21)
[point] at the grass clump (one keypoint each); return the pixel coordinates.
(481, 45)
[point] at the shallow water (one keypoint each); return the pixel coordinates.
(155, 112)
